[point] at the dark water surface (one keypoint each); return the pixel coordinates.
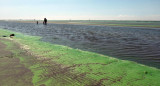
(136, 44)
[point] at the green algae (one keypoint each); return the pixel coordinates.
(95, 69)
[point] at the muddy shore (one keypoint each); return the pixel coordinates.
(49, 64)
(12, 71)
(18, 67)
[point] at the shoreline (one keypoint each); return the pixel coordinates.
(142, 24)
(72, 65)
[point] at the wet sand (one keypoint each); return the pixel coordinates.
(16, 72)
(12, 72)
(46, 69)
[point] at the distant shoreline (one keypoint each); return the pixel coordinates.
(122, 23)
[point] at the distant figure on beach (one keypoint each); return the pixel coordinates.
(37, 22)
(45, 21)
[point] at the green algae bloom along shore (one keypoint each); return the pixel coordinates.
(46, 64)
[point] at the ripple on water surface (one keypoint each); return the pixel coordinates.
(137, 44)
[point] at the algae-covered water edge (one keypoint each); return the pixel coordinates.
(139, 44)
(53, 64)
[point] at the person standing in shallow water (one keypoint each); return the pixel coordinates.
(45, 21)
(37, 22)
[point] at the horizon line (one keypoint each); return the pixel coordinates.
(76, 19)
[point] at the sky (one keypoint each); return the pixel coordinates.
(80, 9)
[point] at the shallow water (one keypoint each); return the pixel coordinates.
(137, 44)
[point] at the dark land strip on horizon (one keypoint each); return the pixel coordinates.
(122, 23)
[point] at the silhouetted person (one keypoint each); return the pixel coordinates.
(45, 21)
(37, 22)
